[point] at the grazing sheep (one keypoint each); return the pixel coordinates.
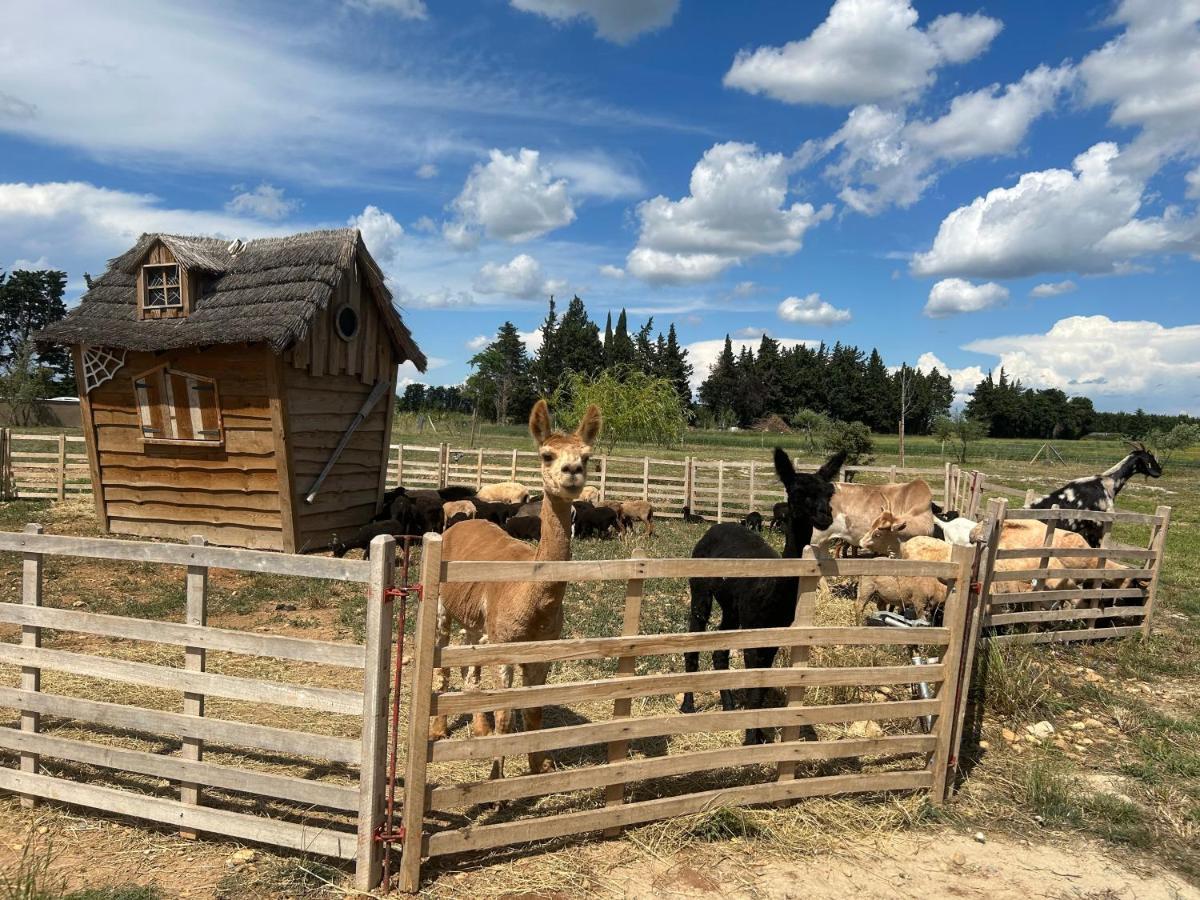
(457, 511)
(778, 516)
(361, 539)
(915, 596)
(753, 521)
(591, 494)
(524, 528)
(758, 602)
(632, 511)
(594, 521)
(497, 513)
(504, 492)
(692, 518)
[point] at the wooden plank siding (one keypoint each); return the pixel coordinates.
(325, 380)
(227, 494)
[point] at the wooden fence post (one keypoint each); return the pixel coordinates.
(997, 509)
(892, 474)
(955, 680)
(443, 464)
(720, 490)
(372, 777)
(645, 478)
(31, 636)
(753, 499)
(399, 465)
(193, 661)
(946, 485)
(614, 794)
(418, 716)
(806, 611)
(1030, 496)
(61, 485)
(479, 469)
(7, 488)
(513, 469)
(603, 476)
(689, 477)
(1158, 543)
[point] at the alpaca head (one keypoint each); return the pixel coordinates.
(564, 456)
(808, 496)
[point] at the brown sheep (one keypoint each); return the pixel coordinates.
(591, 494)
(922, 593)
(632, 511)
(457, 511)
(504, 492)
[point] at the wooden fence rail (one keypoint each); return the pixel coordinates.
(194, 728)
(436, 796)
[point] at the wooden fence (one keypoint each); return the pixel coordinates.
(718, 489)
(602, 713)
(1113, 597)
(314, 818)
(43, 466)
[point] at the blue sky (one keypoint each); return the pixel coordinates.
(957, 184)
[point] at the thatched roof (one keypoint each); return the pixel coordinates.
(267, 289)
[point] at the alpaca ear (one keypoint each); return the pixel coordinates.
(539, 423)
(784, 468)
(829, 471)
(589, 429)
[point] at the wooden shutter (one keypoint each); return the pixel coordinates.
(148, 388)
(205, 409)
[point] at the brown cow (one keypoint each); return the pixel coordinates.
(856, 508)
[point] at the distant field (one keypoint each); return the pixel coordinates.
(921, 450)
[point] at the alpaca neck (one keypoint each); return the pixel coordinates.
(555, 542)
(799, 536)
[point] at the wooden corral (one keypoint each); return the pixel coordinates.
(218, 383)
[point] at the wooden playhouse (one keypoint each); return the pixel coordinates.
(238, 391)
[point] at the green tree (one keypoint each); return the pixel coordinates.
(638, 408)
(962, 430)
(1167, 443)
(673, 364)
(547, 367)
(852, 437)
(29, 301)
(718, 390)
(24, 382)
(812, 425)
(579, 346)
(502, 375)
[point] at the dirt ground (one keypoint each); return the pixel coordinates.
(931, 864)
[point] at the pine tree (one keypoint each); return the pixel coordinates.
(547, 366)
(718, 389)
(644, 352)
(29, 301)
(579, 344)
(501, 377)
(675, 366)
(608, 340)
(622, 352)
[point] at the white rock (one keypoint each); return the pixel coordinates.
(1040, 730)
(980, 837)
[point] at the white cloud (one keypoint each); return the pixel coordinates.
(1193, 183)
(425, 225)
(866, 51)
(596, 174)
(440, 298)
(521, 277)
(513, 198)
(952, 296)
(478, 342)
(962, 380)
(405, 9)
(703, 354)
(1150, 74)
(619, 21)
(532, 339)
(381, 233)
(744, 288)
(885, 160)
(611, 271)
(736, 209)
(1132, 363)
(1057, 221)
(1053, 288)
(812, 310)
(264, 202)
(427, 171)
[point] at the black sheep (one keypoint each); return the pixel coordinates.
(692, 518)
(753, 521)
(591, 520)
(496, 512)
(778, 516)
(524, 528)
(361, 539)
(759, 602)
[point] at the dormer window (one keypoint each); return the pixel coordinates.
(163, 290)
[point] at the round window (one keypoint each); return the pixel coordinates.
(346, 321)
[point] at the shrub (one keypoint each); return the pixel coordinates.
(852, 437)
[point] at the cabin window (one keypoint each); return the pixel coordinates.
(162, 289)
(346, 322)
(178, 407)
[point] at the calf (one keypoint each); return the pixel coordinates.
(857, 506)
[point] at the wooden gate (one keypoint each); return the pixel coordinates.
(622, 705)
(1036, 595)
(336, 818)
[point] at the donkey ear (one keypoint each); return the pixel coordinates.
(833, 465)
(784, 467)
(589, 429)
(539, 422)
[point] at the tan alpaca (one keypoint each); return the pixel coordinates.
(518, 611)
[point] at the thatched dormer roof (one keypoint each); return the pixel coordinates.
(267, 289)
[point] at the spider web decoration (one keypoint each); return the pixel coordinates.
(100, 364)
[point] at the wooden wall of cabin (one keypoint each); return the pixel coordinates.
(326, 381)
(228, 494)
